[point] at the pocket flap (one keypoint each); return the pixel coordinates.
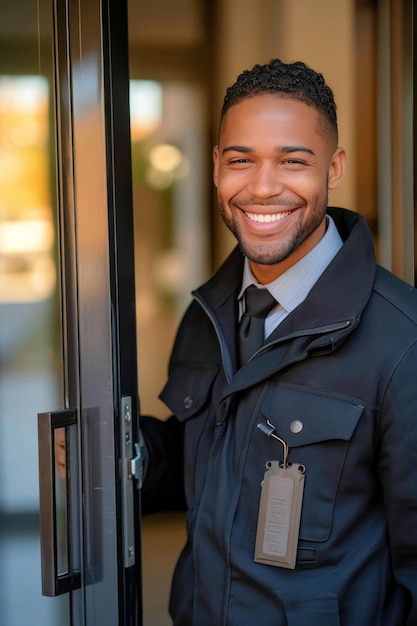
(305, 417)
(187, 390)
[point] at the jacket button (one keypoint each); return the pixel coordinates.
(188, 402)
(296, 426)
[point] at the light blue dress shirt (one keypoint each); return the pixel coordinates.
(292, 287)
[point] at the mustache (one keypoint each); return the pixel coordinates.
(281, 202)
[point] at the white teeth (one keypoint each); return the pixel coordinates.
(269, 217)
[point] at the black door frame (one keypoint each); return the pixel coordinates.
(99, 318)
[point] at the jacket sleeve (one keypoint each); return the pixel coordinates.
(163, 486)
(398, 473)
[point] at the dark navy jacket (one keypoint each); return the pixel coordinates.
(344, 364)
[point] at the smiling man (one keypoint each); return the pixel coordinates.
(273, 166)
(292, 385)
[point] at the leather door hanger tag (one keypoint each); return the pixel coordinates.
(279, 515)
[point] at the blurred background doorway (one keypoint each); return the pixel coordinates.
(183, 55)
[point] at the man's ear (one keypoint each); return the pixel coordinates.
(336, 168)
(216, 164)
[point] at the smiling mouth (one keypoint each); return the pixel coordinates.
(267, 217)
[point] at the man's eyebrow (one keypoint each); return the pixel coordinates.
(290, 149)
(283, 149)
(244, 149)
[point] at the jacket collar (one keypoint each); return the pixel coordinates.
(331, 310)
(225, 283)
(219, 297)
(344, 288)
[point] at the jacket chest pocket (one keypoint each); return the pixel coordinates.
(188, 394)
(317, 429)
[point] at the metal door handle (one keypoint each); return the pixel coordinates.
(55, 467)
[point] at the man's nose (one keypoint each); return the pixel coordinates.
(266, 182)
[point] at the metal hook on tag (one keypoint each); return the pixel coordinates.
(269, 430)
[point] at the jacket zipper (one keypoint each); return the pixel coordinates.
(320, 330)
(227, 364)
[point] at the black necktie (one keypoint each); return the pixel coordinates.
(258, 303)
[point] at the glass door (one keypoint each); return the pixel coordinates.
(67, 318)
(30, 330)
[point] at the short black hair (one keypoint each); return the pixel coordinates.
(295, 81)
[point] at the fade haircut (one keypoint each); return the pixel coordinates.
(295, 81)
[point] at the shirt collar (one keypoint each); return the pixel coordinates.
(292, 287)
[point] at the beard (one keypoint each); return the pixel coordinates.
(271, 252)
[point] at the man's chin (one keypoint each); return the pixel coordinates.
(263, 257)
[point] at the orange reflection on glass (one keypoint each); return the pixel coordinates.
(27, 269)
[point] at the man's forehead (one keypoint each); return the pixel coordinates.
(268, 112)
(270, 109)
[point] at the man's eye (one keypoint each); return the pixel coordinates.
(238, 161)
(294, 162)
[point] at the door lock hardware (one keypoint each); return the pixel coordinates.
(131, 470)
(135, 466)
